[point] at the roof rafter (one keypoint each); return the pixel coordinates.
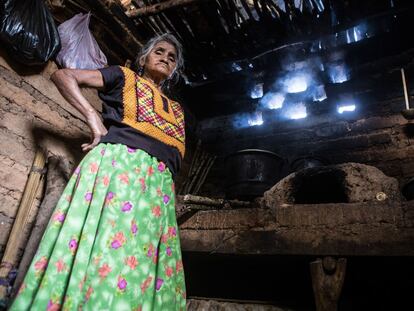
(159, 7)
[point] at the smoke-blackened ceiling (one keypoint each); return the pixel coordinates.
(245, 54)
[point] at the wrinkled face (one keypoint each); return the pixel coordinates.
(160, 63)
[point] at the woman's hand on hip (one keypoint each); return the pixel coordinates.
(98, 130)
(68, 81)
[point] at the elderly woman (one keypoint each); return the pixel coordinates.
(112, 242)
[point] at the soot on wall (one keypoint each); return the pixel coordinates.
(319, 186)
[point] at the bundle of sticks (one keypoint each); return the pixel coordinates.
(200, 166)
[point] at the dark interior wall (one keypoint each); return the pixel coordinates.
(371, 283)
(375, 134)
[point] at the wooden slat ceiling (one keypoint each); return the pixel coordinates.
(229, 41)
(217, 32)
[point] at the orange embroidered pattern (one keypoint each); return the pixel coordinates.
(143, 110)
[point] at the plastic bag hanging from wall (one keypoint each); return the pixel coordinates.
(28, 31)
(79, 48)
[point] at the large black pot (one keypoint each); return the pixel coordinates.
(307, 162)
(250, 172)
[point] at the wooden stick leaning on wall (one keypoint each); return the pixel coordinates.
(58, 174)
(184, 187)
(26, 204)
(204, 174)
(199, 165)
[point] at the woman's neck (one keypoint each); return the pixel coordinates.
(153, 81)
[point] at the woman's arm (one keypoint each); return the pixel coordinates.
(68, 81)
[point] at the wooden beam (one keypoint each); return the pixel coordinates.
(357, 229)
(159, 7)
(113, 13)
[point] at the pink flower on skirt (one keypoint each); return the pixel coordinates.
(109, 196)
(60, 265)
(132, 262)
(150, 171)
(77, 170)
(52, 306)
(118, 240)
(172, 231)
(104, 270)
(164, 238)
(88, 196)
(150, 250)
(156, 211)
(94, 167)
(41, 264)
(158, 284)
(144, 286)
(178, 266)
(161, 167)
(169, 271)
(73, 245)
(143, 186)
(103, 151)
(122, 283)
(134, 228)
(166, 198)
(124, 178)
(59, 217)
(168, 251)
(131, 150)
(89, 293)
(105, 180)
(126, 206)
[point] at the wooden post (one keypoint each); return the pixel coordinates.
(29, 194)
(328, 277)
(407, 102)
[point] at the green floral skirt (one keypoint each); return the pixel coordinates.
(112, 242)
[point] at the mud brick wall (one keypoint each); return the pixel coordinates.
(32, 115)
(376, 135)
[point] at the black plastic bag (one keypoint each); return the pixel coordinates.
(28, 31)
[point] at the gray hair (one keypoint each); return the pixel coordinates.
(167, 37)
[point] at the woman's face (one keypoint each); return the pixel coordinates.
(160, 63)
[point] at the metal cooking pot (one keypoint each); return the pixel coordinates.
(307, 162)
(250, 172)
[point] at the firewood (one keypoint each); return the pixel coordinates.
(194, 199)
